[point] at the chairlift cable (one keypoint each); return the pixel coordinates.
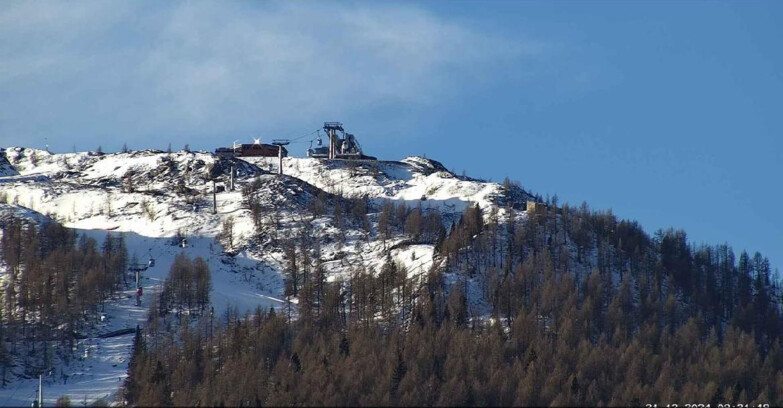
(305, 135)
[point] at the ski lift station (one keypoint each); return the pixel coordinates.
(338, 145)
(341, 145)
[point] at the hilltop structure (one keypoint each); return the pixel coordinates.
(256, 149)
(341, 145)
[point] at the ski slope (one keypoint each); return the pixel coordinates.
(148, 197)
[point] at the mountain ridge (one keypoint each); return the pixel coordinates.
(422, 246)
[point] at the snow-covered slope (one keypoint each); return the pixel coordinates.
(8, 212)
(5, 167)
(92, 194)
(416, 180)
(149, 197)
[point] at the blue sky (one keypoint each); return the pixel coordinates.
(666, 112)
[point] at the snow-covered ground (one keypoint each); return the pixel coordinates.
(416, 180)
(102, 364)
(149, 197)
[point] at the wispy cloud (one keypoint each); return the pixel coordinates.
(84, 71)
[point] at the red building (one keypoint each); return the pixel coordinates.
(248, 150)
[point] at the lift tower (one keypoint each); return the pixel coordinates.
(331, 129)
(138, 268)
(280, 143)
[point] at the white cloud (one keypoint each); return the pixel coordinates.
(143, 70)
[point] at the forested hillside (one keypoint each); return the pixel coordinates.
(361, 283)
(54, 284)
(564, 306)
